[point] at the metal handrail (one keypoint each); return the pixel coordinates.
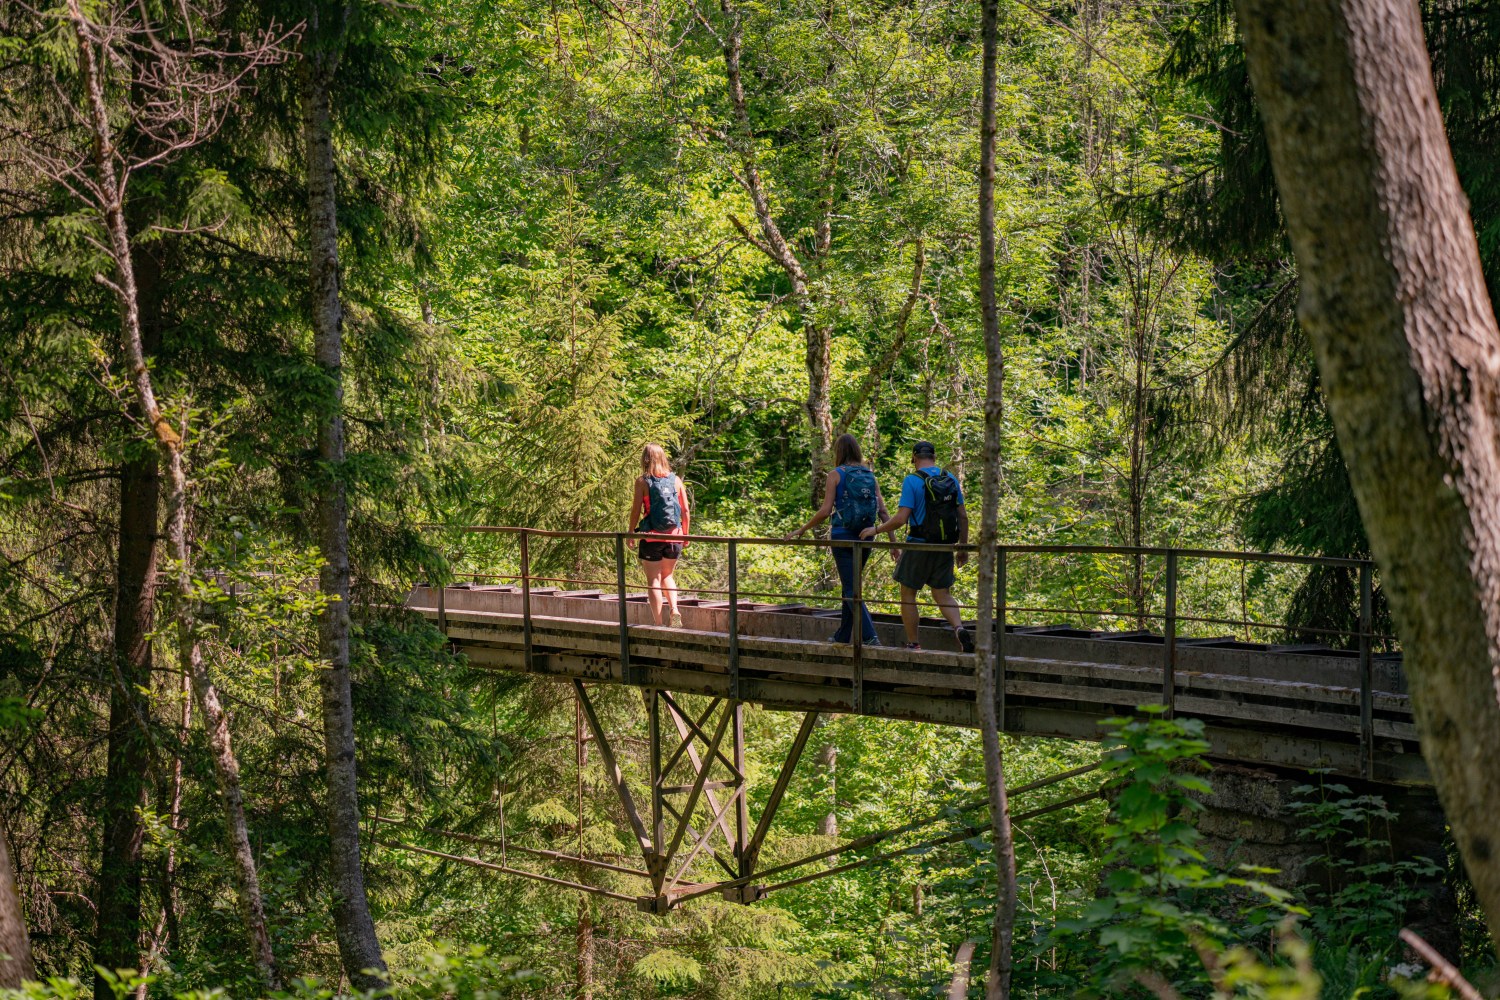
(1012, 547)
(1169, 617)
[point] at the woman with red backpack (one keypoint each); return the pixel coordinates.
(659, 507)
(851, 496)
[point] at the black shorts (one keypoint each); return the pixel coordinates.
(657, 551)
(917, 569)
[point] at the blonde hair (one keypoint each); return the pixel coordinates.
(654, 461)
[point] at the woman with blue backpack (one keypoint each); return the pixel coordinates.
(851, 497)
(659, 507)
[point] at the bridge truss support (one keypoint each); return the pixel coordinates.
(696, 812)
(698, 796)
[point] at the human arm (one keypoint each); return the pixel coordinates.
(902, 515)
(682, 505)
(884, 514)
(635, 510)
(830, 491)
(963, 535)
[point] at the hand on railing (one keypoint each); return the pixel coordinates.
(869, 533)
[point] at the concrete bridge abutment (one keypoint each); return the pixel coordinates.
(1325, 834)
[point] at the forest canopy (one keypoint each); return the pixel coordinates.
(294, 291)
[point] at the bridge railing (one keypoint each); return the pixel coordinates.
(1176, 594)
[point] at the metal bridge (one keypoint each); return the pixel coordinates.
(1341, 707)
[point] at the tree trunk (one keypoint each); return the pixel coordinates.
(128, 761)
(1408, 350)
(216, 725)
(128, 755)
(15, 944)
(169, 450)
(817, 331)
(358, 946)
(997, 983)
(827, 759)
(819, 405)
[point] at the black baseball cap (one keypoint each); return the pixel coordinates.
(924, 449)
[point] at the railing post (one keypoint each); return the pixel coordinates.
(1000, 615)
(1366, 674)
(526, 597)
(1169, 638)
(734, 621)
(625, 674)
(857, 631)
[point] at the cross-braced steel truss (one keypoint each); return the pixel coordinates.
(696, 809)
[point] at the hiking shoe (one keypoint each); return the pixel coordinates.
(965, 639)
(912, 646)
(676, 621)
(874, 640)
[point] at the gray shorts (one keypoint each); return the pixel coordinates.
(917, 569)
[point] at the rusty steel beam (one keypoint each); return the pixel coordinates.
(615, 775)
(751, 853)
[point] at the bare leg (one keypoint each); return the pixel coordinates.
(948, 606)
(653, 588)
(909, 612)
(669, 586)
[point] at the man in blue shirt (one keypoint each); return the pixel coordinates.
(915, 568)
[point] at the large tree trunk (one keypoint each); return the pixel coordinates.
(358, 946)
(170, 453)
(997, 984)
(128, 754)
(1409, 353)
(128, 761)
(15, 943)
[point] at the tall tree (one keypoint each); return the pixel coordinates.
(986, 667)
(128, 761)
(1394, 300)
(171, 97)
(358, 945)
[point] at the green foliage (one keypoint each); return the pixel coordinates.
(1162, 905)
(445, 974)
(540, 273)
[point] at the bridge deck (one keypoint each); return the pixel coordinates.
(1286, 706)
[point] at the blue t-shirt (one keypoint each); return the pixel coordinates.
(914, 495)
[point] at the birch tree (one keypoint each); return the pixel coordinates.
(358, 946)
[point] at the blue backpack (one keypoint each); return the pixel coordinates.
(855, 505)
(662, 510)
